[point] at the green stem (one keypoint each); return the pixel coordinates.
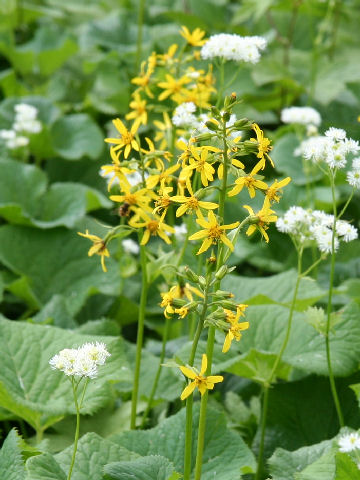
(221, 86)
(189, 400)
(139, 32)
(77, 430)
(329, 308)
(211, 331)
(140, 336)
(267, 384)
(157, 376)
(201, 435)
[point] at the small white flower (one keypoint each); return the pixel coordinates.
(347, 231)
(353, 178)
(233, 47)
(348, 443)
(82, 361)
(335, 133)
(303, 115)
(183, 115)
(356, 163)
(323, 237)
(130, 246)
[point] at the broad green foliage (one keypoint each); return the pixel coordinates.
(26, 199)
(31, 390)
(153, 467)
(55, 263)
(225, 451)
(11, 460)
(274, 289)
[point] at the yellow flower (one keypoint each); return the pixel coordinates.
(263, 146)
(164, 177)
(235, 327)
(143, 80)
(192, 204)
(182, 311)
(194, 38)
(273, 193)
(213, 232)
(186, 290)
(98, 247)
(199, 163)
(127, 138)
(116, 168)
(263, 218)
(164, 133)
(153, 155)
(140, 198)
(138, 105)
(153, 226)
(172, 86)
(168, 57)
(249, 182)
(163, 201)
(199, 380)
(167, 300)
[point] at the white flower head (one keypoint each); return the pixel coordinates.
(82, 361)
(302, 115)
(353, 178)
(335, 133)
(180, 231)
(349, 442)
(233, 47)
(346, 231)
(183, 115)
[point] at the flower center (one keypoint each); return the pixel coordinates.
(153, 226)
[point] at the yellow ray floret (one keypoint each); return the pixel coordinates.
(261, 219)
(127, 140)
(212, 232)
(199, 380)
(98, 247)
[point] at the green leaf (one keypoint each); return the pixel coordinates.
(303, 413)
(11, 461)
(152, 467)
(306, 348)
(32, 390)
(25, 198)
(44, 467)
(284, 464)
(56, 262)
(273, 289)
(75, 136)
(93, 453)
(321, 469)
(225, 452)
(258, 366)
(346, 468)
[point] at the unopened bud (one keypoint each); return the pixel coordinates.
(226, 116)
(211, 125)
(215, 111)
(191, 275)
(178, 302)
(220, 274)
(243, 123)
(229, 305)
(223, 294)
(202, 281)
(203, 137)
(219, 314)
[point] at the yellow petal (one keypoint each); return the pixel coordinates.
(188, 390)
(188, 372)
(203, 364)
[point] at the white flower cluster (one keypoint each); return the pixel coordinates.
(302, 115)
(316, 225)
(332, 148)
(82, 361)
(349, 442)
(233, 47)
(25, 122)
(184, 115)
(353, 176)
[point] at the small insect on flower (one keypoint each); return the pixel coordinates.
(199, 380)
